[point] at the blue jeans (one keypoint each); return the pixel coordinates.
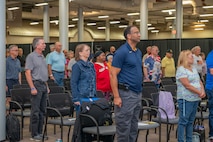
(210, 105)
(187, 112)
(126, 116)
(59, 77)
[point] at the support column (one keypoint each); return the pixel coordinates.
(46, 23)
(3, 70)
(179, 18)
(107, 30)
(80, 24)
(144, 19)
(63, 23)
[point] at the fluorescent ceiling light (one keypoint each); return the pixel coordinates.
(200, 25)
(34, 23)
(199, 29)
(122, 26)
(41, 4)
(187, 2)
(151, 28)
(114, 22)
(170, 27)
(104, 16)
(203, 21)
(149, 24)
(206, 15)
(91, 24)
(170, 18)
(55, 22)
(101, 28)
(132, 14)
(13, 8)
(168, 10)
(210, 6)
(155, 31)
(71, 26)
(75, 19)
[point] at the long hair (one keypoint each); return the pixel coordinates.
(183, 58)
(79, 48)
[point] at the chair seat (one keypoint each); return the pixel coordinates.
(103, 130)
(26, 113)
(145, 125)
(205, 115)
(171, 121)
(66, 121)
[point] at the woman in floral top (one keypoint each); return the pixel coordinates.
(190, 90)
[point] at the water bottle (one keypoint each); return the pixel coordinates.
(58, 140)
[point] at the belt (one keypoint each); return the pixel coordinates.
(123, 86)
(58, 71)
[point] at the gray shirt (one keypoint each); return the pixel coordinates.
(37, 64)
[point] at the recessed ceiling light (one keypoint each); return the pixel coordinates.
(71, 26)
(41, 4)
(199, 29)
(91, 24)
(101, 28)
(168, 10)
(170, 18)
(203, 21)
(206, 15)
(114, 22)
(34, 23)
(132, 14)
(151, 28)
(209, 6)
(200, 25)
(122, 26)
(155, 31)
(13, 8)
(104, 16)
(75, 19)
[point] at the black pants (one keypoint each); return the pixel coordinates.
(38, 108)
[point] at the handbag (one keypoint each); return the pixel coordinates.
(200, 129)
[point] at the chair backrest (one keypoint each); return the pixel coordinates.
(52, 84)
(24, 81)
(18, 86)
(62, 102)
(149, 83)
(171, 88)
(99, 94)
(148, 90)
(21, 95)
(56, 89)
(67, 84)
(167, 81)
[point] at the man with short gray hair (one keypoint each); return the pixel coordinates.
(37, 75)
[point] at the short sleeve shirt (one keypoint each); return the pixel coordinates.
(37, 64)
(13, 68)
(129, 62)
(57, 61)
(194, 80)
(209, 76)
(169, 65)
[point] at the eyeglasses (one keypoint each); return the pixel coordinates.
(14, 50)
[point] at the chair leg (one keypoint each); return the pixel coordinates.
(68, 135)
(61, 132)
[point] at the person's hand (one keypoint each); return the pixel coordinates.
(52, 78)
(77, 103)
(117, 101)
(48, 90)
(202, 94)
(34, 91)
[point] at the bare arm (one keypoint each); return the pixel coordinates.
(114, 85)
(19, 77)
(211, 71)
(30, 82)
(145, 72)
(191, 88)
(50, 72)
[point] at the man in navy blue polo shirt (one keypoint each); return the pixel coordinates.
(126, 83)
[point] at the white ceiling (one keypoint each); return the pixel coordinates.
(117, 10)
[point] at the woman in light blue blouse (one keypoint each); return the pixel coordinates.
(190, 90)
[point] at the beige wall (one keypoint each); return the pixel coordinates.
(25, 34)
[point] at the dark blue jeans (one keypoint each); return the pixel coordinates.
(59, 77)
(38, 108)
(10, 83)
(210, 105)
(187, 112)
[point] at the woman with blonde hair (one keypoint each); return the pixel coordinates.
(190, 90)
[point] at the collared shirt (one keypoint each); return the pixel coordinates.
(129, 62)
(57, 61)
(37, 64)
(169, 65)
(13, 68)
